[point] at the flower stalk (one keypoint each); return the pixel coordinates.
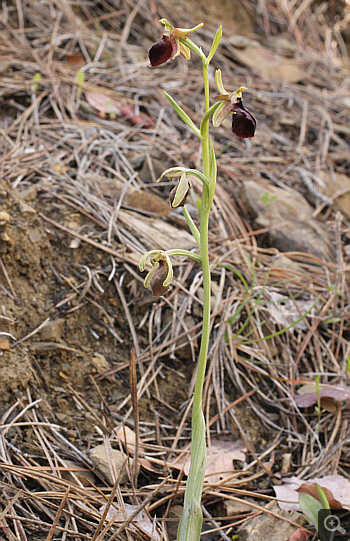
(174, 42)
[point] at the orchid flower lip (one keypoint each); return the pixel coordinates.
(161, 273)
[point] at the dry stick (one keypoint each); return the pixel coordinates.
(93, 413)
(109, 502)
(215, 524)
(137, 511)
(313, 329)
(135, 408)
(31, 333)
(58, 515)
(9, 505)
(127, 26)
(85, 239)
(3, 268)
(19, 415)
(232, 405)
(131, 325)
(103, 401)
(249, 445)
(261, 509)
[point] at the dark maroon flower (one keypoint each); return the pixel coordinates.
(160, 52)
(170, 46)
(243, 120)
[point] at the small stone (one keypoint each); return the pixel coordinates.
(4, 236)
(288, 216)
(284, 262)
(63, 418)
(98, 456)
(232, 508)
(286, 462)
(100, 362)
(4, 343)
(4, 66)
(266, 526)
(52, 331)
(34, 234)
(5, 217)
(29, 194)
(26, 209)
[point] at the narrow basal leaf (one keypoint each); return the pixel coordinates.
(182, 114)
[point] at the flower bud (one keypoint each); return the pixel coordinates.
(160, 52)
(243, 120)
(158, 278)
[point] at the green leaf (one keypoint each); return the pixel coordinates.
(37, 78)
(80, 81)
(310, 507)
(215, 44)
(183, 115)
(323, 498)
(190, 525)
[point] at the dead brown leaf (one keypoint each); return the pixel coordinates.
(299, 535)
(106, 105)
(75, 61)
(307, 395)
(220, 457)
(310, 488)
(334, 484)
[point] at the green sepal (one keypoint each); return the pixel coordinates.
(174, 172)
(183, 115)
(194, 48)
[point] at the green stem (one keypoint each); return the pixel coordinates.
(189, 528)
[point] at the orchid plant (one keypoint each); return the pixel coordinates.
(173, 43)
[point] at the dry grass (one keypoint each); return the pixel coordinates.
(51, 137)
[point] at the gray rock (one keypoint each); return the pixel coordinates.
(284, 262)
(266, 526)
(293, 229)
(26, 209)
(98, 456)
(52, 331)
